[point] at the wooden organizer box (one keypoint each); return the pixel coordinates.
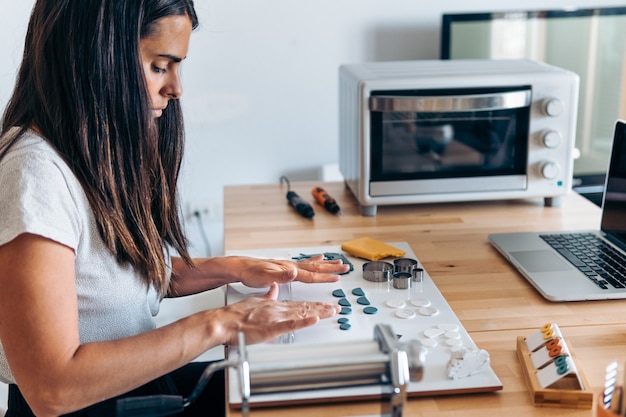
(571, 390)
(601, 411)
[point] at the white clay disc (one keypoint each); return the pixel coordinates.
(428, 342)
(395, 303)
(433, 332)
(405, 314)
(420, 302)
(448, 327)
(453, 342)
(428, 311)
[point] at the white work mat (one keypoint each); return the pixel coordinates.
(385, 298)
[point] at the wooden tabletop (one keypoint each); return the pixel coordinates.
(493, 301)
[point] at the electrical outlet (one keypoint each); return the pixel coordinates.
(193, 210)
(207, 210)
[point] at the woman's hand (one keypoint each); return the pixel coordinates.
(214, 272)
(263, 318)
(260, 273)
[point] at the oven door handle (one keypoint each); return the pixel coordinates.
(451, 103)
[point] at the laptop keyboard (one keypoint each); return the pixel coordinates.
(598, 260)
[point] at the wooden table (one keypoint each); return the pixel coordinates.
(492, 300)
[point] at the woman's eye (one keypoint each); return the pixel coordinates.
(158, 70)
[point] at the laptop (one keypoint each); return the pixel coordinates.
(560, 265)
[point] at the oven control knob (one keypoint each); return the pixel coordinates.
(551, 138)
(552, 107)
(549, 170)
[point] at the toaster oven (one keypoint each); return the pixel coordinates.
(440, 131)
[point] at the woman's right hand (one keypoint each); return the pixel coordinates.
(263, 318)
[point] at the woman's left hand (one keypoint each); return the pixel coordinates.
(260, 273)
(214, 272)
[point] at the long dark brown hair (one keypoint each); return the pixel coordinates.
(82, 87)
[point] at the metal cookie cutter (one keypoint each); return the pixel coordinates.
(377, 271)
(405, 265)
(418, 275)
(402, 280)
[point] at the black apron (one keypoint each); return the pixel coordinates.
(212, 401)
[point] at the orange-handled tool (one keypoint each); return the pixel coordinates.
(324, 199)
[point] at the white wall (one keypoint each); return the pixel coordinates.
(261, 81)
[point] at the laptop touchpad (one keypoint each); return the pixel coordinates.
(540, 261)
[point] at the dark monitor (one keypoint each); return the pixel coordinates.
(590, 42)
(614, 207)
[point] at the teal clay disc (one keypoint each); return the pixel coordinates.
(345, 326)
(358, 292)
(339, 293)
(343, 320)
(363, 301)
(370, 310)
(344, 302)
(345, 311)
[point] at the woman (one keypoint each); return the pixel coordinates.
(91, 147)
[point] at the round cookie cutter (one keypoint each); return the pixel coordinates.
(418, 275)
(402, 280)
(377, 271)
(404, 265)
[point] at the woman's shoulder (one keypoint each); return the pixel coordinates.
(40, 193)
(33, 155)
(33, 163)
(29, 145)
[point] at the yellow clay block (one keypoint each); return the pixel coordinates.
(371, 249)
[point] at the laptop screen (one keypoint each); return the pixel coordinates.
(614, 205)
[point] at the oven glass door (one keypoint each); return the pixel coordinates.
(449, 134)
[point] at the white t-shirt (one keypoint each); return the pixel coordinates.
(39, 194)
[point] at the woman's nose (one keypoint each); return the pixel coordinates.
(174, 88)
